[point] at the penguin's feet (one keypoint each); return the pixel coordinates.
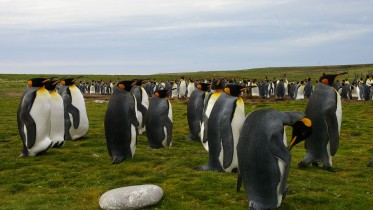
(316, 164)
(117, 159)
(22, 155)
(330, 169)
(302, 164)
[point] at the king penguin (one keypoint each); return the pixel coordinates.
(264, 159)
(191, 87)
(325, 111)
(57, 130)
(159, 121)
(182, 87)
(121, 123)
(142, 104)
(224, 126)
(195, 110)
(76, 119)
(210, 99)
(34, 118)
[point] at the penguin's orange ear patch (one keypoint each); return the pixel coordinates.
(199, 86)
(29, 83)
(307, 122)
(325, 81)
(156, 94)
(227, 90)
(63, 82)
(121, 86)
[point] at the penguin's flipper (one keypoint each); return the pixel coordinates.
(141, 108)
(75, 113)
(332, 127)
(225, 129)
(205, 120)
(239, 182)
(166, 122)
(278, 148)
(27, 119)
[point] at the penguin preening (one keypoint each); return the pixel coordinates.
(195, 110)
(224, 125)
(209, 102)
(76, 119)
(57, 130)
(159, 120)
(325, 111)
(264, 158)
(33, 118)
(142, 101)
(121, 123)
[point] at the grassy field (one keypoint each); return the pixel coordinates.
(76, 175)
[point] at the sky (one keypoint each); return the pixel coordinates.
(132, 37)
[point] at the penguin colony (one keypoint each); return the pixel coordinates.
(46, 119)
(255, 145)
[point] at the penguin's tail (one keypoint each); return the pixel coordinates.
(239, 182)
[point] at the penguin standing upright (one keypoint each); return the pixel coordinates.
(191, 88)
(174, 92)
(300, 91)
(182, 87)
(263, 158)
(325, 111)
(210, 99)
(142, 101)
(280, 89)
(76, 119)
(308, 88)
(159, 120)
(195, 110)
(57, 131)
(224, 125)
(121, 123)
(34, 118)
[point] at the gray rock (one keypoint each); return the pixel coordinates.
(132, 197)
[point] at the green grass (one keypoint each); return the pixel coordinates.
(76, 175)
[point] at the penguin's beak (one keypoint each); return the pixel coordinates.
(292, 143)
(243, 89)
(134, 83)
(47, 80)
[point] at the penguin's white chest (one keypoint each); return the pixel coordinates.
(77, 100)
(57, 118)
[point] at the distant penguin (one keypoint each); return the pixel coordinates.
(300, 91)
(182, 87)
(263, 156)
(191, 88)
(174, 92)
(325, 111)
(224, 126)
(34, 118)
(195, 110)
(308, 88)
(159, 121)
(142, 101)
(76, 119)
(210, 99)
(121, 123)
(280, 89)
(57, 130)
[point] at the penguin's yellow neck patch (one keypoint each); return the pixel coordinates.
(240, 100)
(307, 122)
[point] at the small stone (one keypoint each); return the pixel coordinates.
(132, 197)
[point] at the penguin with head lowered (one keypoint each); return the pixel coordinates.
(224, 125)
(121, 123)
(57, 131)
(264, 159)
(324, 108)
(76, 119)
(142, 103)
(209, 102)
(195, 110)
(34, 118)
(159, 120)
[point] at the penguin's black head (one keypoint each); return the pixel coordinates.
(37, 82)
(69, 81)
(139, 82)
(234, 90)
(216, 84)
(301, 130)
(126, 84)
(51, 84)
(161, 93)
(203, 86)
(328, 79)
